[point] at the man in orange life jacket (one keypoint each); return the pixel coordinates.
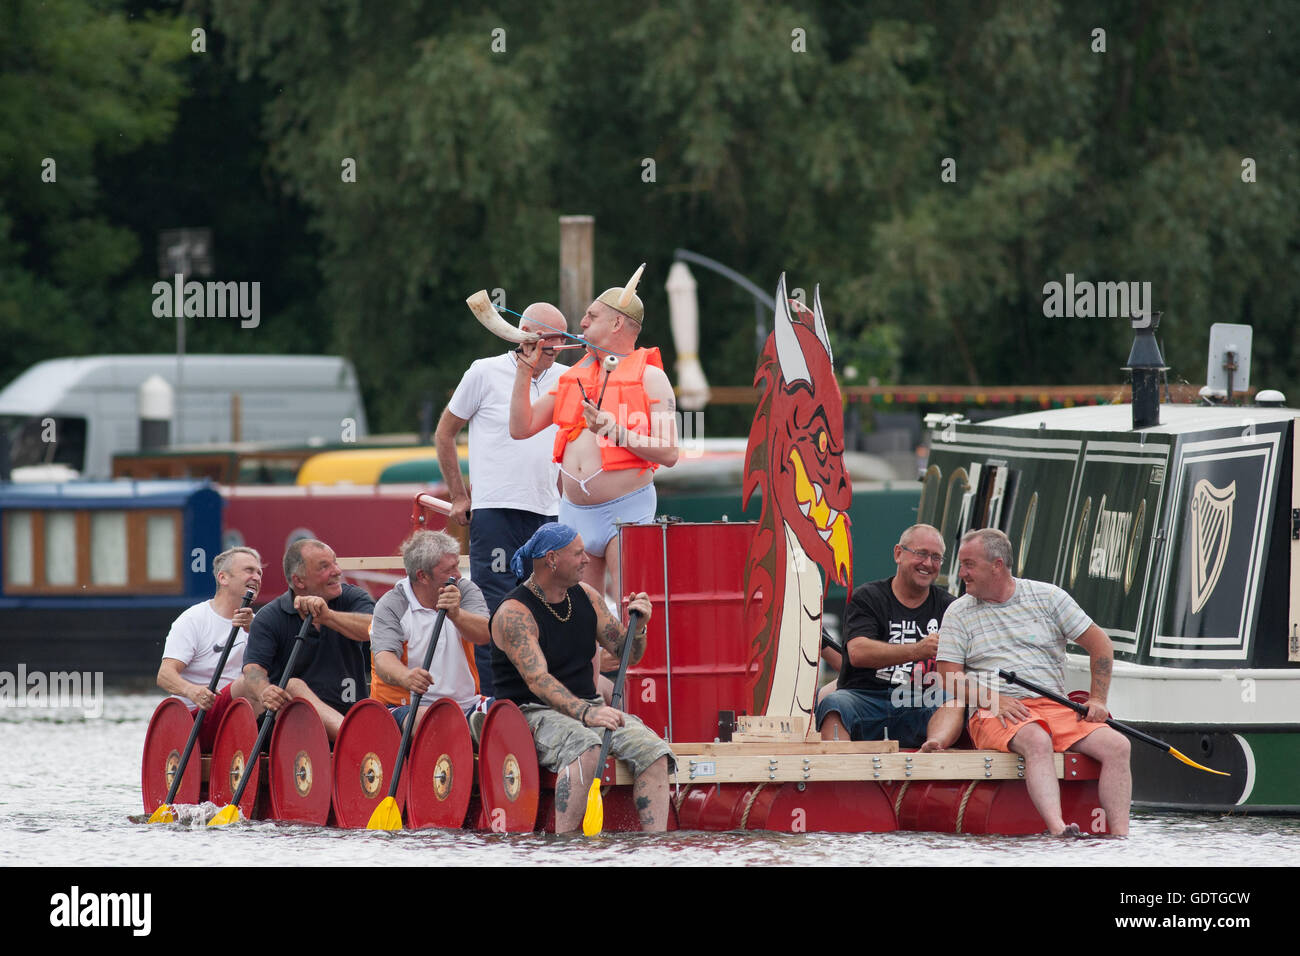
(607, 456)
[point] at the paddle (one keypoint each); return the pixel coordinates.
(1133, 732)
(230, 813)
(593, 821)
(387, 816)
(165, 813)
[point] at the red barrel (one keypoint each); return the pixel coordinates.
(508, 778)
(299, 768)
(365, 754)
(231, 750)
(697, 627)
(164, 742)
(439, 776)
(992, 806)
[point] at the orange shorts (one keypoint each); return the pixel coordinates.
(1064, 725)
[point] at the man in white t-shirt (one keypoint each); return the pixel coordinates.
(515, 488)
(402, 627)
(1022, 626)
(197, 638)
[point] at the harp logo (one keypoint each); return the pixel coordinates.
(1211, 528)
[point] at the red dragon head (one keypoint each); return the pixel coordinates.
(801, 437)
(796, 456)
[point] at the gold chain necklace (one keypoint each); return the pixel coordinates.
(568, 601)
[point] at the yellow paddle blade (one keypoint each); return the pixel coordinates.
(164, 814)
(1193, 763)
(593, 821)
(227, 814)
(386, 816)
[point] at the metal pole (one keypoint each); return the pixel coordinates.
(761, 299)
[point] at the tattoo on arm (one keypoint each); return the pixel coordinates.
(1101, 670)
(515, 632)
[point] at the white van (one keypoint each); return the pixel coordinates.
(78, 412)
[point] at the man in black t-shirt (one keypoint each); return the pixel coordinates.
(331, 672)
(891, 634)
(544, 636)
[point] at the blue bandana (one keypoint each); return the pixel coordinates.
(551, 536)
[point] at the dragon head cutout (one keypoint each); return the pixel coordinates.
(796, 456)
(804, 436)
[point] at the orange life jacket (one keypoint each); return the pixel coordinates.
(625, 396)
(395, 696)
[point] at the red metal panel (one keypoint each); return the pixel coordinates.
(230, 753)
(365, 754)
(439, 775)
(841, 806)
(697, 625)
(299, 766)
(164, 742)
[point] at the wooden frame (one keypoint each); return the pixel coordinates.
(137, 546)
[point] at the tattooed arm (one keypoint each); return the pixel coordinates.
(514, 631)
(610, 634)
(1101, 655)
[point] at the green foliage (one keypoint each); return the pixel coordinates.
(1122, 165)
(79, 81)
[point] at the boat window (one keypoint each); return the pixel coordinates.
(1134, 547)
(1026, 535)
(93, 551)
(1080, 539)
(18, 549)
(160, 547)
(928, 506)
(45, 440)
(61, 548)
(958, 488)
(108, 548)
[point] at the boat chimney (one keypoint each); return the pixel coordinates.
(1146, 364)
(157, 404)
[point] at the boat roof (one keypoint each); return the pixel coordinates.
(94, 494)
(1174, 419)
(46, 385)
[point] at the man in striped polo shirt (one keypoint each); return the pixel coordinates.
(1014, 624)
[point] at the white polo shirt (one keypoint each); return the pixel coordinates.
(505, 473)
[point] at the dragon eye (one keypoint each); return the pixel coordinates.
(821, 442)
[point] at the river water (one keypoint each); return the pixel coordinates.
(70, 797)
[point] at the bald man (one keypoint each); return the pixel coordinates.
(514, 486)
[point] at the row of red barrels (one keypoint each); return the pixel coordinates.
(445, 784)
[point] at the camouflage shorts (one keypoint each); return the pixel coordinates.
(560, 740)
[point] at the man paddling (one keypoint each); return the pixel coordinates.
(403, 624)
(544, 636)
(197, 638)
(331, 671)
(607, 456)
(1014, 624)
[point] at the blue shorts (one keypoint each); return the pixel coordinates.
(873, 714)
(597, 524)
(475, 717)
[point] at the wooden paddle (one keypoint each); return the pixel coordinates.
(387, 816)
(593, 821)
(165, 812)
(1011, 678)
(230, 813)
